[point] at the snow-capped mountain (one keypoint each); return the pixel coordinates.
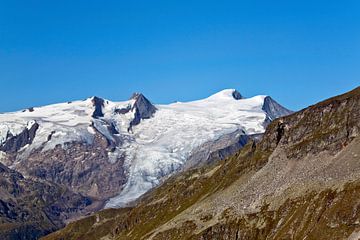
(120, 150)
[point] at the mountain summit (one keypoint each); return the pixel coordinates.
(226, 94)
(142, 107)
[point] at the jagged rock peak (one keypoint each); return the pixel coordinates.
(143, 105)
(137, 95)
(98, 103)
(143, 108)
(274, 109)
(96, 99)
(236, 95)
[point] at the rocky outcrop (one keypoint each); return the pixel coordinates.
(30, 209)
(98, 104)
(236, 95)
(14, 143)
(84, 168)
(143, 109)
(219, 149)
(327, 126)
(123, 110)
(274, 109)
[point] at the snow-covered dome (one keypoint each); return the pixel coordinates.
(226, 94)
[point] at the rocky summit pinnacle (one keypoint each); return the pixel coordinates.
(274, 109)
(143, 108)
(237, 95)
(98, 103)
(136, 95)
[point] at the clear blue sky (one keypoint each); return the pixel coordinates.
(299, 52)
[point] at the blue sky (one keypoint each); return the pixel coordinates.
(299, 52)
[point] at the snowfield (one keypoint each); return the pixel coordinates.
(154, 148)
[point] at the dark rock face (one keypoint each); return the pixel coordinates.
(280, 130)
(231, 149)
(143, 109)
(236, 95)
(213, 151)
(14, 143)
(216, 150)
(274, 109)
(81, 167)
(143, 106)
(327, 126)
(98, 103)
(30, 209)
(123, 110)
(112, 129)
(26, 231)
